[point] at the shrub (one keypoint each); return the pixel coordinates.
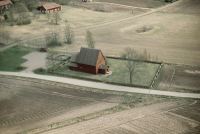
(40, 70)
(27, 21)
(62, 3)
(100, 10)
(6, 16)
(19, 22)
(19, 67)
(12, 24)
(30, 9)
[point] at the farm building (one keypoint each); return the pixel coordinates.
(49, 7)
(5, 4)
(86, 0)
(89, 60)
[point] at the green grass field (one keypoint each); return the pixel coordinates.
(11, 58)
(119, 74)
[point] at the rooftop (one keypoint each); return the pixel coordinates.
(5, 2)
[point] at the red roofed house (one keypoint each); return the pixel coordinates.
(86, 0)
(5, 4)
(88, 60)
(50, 7)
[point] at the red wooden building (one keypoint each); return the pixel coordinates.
(86, 0)
(5, 4)
(49, 7)
(89, 60)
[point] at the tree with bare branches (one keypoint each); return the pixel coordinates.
(51, 58)
(48, 15)
(53, 38)
(56, 17)
(69, 35)
(132, 62)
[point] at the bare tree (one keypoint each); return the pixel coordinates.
(56, 17)
(48, 15)
(69, 35)
(51, 58)
(53, 38)
(132, 62)
(90, 39)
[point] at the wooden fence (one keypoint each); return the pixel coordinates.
(85, 78)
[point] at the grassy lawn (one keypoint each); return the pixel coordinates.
(11, 58)
(175, 43)
(119, 73)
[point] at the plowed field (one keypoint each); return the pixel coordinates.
(27, 105)
(157, 118)
(179, 77)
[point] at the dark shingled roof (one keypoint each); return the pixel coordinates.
(74, 56)
(73, 64)
(88, 56)
(103, 67)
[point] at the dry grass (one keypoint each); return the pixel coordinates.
(71, 16)
(136, 3)
(187, 7)
(174, 38)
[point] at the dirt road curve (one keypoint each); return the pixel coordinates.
(101, 85)
(108, 23)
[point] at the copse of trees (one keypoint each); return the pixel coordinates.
(69, 35)
(53, 38)
(56, 17)
(30, 3)
(148, 57)
(21, 10)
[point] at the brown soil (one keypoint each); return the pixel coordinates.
(179, 77)
(188, 78)
(27, 105)
(165, 77)
(156, 118)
